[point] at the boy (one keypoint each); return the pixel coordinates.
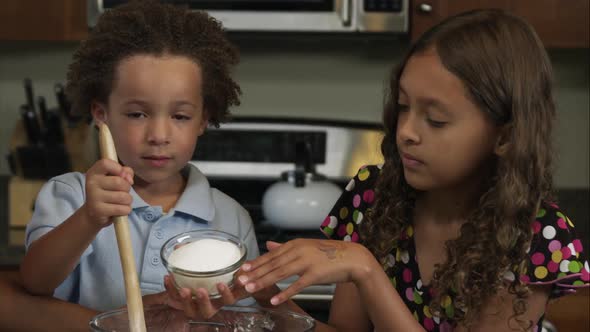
(157, 75)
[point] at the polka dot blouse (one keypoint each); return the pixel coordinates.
(556, 256)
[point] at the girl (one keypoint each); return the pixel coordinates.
(157, 75)
(458, 228)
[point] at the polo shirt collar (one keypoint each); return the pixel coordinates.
(195, 200)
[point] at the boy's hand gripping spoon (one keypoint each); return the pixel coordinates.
(133, 293)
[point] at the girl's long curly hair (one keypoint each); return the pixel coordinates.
(151, 28)
(506, 72)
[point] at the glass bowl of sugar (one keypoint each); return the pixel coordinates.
(203, 258)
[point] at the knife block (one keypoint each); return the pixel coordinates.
(37, 161)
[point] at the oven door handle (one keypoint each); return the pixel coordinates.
(313, 297)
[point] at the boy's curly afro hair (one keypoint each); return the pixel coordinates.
(149, 27)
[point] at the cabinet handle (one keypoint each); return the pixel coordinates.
(425, 8)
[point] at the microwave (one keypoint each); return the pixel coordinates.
(377, 16)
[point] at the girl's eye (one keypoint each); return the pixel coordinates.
(436, 124)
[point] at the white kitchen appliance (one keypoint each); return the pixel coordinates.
(303, 197)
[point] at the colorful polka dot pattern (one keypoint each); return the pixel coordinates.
(415, 294)
(556, 256)
(352, 205)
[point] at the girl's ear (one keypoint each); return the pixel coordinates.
(98, 111)
(503, 141)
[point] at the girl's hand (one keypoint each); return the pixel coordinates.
(107, 192)
(314, 261)
(200, 306)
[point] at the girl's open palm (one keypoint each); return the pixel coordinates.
(314, 261)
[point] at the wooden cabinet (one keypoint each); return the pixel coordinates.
(50, 20)
(563, 24)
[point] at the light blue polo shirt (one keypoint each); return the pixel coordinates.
(97, 281)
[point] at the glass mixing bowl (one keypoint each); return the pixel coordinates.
(228, 319)
(202, 279)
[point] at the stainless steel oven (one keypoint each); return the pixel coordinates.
(264, 147)
(292, 15)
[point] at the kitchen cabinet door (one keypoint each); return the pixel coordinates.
(46, 20)
(558, 23)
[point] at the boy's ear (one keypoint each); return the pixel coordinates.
(98, 111)
(502, 141)
(204, 123)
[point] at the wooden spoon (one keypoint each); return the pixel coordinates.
(132, 291)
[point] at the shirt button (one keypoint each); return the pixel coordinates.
(155, 260)
(159, 235)
(149, 216)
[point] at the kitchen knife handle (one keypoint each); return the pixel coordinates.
(31, 124)
(29, 93)
(60, 97)
(132, 290)
(64, 105)
(42, 110)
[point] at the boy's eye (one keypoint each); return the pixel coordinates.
(181, 117)
(436, 124)
(135, 115)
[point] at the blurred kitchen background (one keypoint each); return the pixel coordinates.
(313, 81)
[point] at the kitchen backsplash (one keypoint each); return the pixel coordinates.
(336, 80)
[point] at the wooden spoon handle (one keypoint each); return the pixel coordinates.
(132, 290)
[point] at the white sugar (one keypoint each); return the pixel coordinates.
(205, 255)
